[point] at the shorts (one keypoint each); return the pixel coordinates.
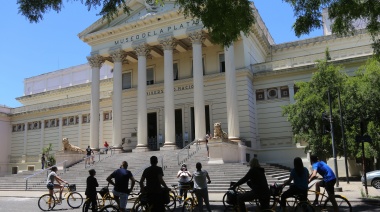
(329, 186)
(50, 186)
(123, 197)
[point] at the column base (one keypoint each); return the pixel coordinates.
(142, 148)
(169, 146)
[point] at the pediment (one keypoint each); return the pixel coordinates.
(140, 10)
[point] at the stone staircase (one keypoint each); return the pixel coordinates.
(221, 174)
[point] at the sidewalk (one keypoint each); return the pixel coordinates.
(353, 192)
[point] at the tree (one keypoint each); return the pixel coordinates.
(360, 96)
(49, 158)
(224, 19)
(343, 12)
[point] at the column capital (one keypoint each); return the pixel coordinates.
(196, 37)
(168, 43)
(291, 86)
(118, 55)
(95, 61)
(142, 50)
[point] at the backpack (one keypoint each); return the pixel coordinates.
(104, 191)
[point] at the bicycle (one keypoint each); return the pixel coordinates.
(106, 199)
(325, 204)
(142, 204)
(175, 196)
(74, 199)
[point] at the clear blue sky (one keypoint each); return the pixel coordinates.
(32, 49)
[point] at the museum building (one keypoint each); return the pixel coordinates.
(154, 80)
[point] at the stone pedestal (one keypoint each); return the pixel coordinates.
(225, 151)
(71, 157)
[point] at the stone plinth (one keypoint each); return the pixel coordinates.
(71, 157)
(225, 151)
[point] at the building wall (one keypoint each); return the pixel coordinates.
(5, 132)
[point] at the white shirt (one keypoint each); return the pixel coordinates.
(184, 176)
(200, 179)
(51, 177)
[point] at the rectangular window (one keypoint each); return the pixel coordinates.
(222, 65)
(260, 95)
(149, 76)
(285, 92)
(203, 66)
(127, 80)
(175, 71)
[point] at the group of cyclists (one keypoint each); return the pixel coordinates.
(153, 176)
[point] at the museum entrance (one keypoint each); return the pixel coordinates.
(152, 131)
(207, 120)
(178, 128)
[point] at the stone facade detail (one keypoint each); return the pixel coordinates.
(196, 37)
(168, 43)
(119, 55)
(95, 61)
(142, 50)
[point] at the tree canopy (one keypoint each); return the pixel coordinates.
(360, 95)
(224, 19)
(344, 13)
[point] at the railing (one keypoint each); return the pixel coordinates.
(44, 177)
(189, 151)
(101, 151)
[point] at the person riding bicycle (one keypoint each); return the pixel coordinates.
(154, 179)
(328, 181)
(184, 181)
(51, 185)
(300, 175)
(120, 190)
(260, 188)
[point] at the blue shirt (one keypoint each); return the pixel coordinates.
(121, 179)
(300, 182)
(324, 170)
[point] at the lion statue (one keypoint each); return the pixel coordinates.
(218, 132)
(68, 147)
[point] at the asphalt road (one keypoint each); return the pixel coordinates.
(30, 204)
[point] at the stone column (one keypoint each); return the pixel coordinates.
(42, 138)
(232, 106)
(291, 93)
(25, 137)
(95, 62)
(80, 130)
(118, 57)
(60, 122)
(279, 92)
(168, 45)
(142, 52)
(199, 105)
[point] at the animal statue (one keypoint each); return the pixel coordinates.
(218, 132)
(68, 147)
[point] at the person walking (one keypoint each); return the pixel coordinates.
(106, 145)
(154, 180)
(184, 181)
(91, 193)
(120, 190)
(201, 179)
(259, 186)
(88, 155)
(43, 161)
(328, 181)
(300, 175)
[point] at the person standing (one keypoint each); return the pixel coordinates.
(201, 179)
(328, 181)
(88, 155)
(184, 181)
(43, 161)
(300, 175)
(120, 190)
(208, 152)
(260, 188)
(154, 179)
(91, 193)
(106, 146)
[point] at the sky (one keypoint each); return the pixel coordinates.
(31, 49)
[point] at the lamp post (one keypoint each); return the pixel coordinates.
(337, 188)
(343, 138)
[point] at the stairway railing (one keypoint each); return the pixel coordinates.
(186, 152)
(40, 173)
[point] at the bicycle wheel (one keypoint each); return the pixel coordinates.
(46, 202)
(188, 205)
(108, 200)
(75, 200)
(87, 202)
(109, 208)
(226, 205)
(343, 204)
(304, 206)
(141, 208)
(172, 204)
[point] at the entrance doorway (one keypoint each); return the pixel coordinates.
(207, 121)
(152, 131)
(178, 128)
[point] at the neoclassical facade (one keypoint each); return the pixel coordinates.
(155, 80)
